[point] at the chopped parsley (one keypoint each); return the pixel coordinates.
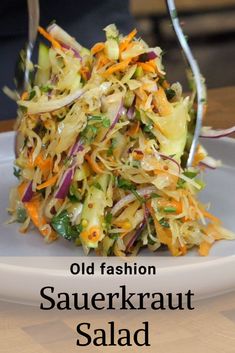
(46, 88)
(21, 215)
(62, 225)
(148, 127)
(111, 147)
(190, 174)
(169, 209)
(170, 93)
(31, 95)
(74, 195)
(164, 223)
(108, 220)
(98, 186)
(17, 172)
(128, 185)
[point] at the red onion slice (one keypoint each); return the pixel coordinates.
(68, 47)
(77, 147)
(64, 184)
(164, 156)
(135, 236)
(151, 55)
(131, 113)
(205, 165)
(28, 193)
(65, 39)
(130, 198)
(210, 133)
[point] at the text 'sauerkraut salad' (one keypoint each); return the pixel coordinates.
(105, 139)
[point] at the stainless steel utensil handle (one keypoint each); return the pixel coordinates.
(33, 22)
(196, 73)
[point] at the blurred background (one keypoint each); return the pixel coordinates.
(209, 25)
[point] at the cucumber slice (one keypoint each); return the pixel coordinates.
(44, 69)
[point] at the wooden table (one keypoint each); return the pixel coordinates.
(149, 7)
(220, 114)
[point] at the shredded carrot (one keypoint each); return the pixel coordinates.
(141, 94)
(94, 165)
(84, 71)
(44, 164)
(134, 129)
(161, 102)
(21, 189)
(165, 84)
(49, 182)
(204, 248)
(138, 102)
(146, 67)
(117, 67)
(46, 35)
(124, 43)
(198, 157)
(210, 216)
(212, 230)
(24, 95)
(97, 48)
(102, 61)
(183, 250)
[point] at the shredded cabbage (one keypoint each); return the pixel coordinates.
(129, 187)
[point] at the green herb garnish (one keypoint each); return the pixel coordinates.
(128, 185)
(74, 195)
(17, 172)
(62, 225)
(46, 88)
(147, 128)
(169, 209)
(190, 175)
(108, 220)
(98, 186)
(21, 215)
(111, 147)
(170, 93)
(164, 223)
(106, 122)
(31, 95)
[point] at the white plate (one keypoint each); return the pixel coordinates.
(200, 274)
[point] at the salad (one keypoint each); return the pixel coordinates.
(106, 139)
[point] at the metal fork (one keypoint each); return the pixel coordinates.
(22, 69)
(22, 72)
(193, 66)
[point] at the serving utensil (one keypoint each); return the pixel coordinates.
(23, 64)
(194, 68)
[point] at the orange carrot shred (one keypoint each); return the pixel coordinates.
(46, 35)
(49, 182)
(124, 44)
(97, 48)
(146, 67)
(117, 67)
(94, 165)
